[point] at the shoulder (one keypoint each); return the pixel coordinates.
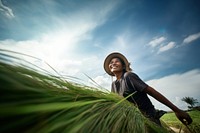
(130, 74)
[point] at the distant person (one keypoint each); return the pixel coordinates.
(128, 83)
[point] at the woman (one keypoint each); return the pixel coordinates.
(128, 83)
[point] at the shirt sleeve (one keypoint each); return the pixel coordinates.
(135, 81)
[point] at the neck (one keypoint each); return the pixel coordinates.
(118, 75)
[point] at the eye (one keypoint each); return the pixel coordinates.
(117, 61)
(111, 62)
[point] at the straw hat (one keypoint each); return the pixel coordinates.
(115, 55)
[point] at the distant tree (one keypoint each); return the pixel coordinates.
(190, 100)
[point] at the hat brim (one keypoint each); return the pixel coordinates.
(110, 57)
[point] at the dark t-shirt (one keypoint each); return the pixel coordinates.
(131, 83)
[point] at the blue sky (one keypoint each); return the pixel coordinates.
(160, 38)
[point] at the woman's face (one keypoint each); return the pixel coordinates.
(115, 65)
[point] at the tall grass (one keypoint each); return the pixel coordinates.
(32, 101)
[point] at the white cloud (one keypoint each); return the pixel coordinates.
(58, 46)
(177, 86)
(157, 41)
(6, 10)
(169, 46)
(191, 38)
(103, 81)
(55, 55)
(121, 41)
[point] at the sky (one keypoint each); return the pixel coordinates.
(160, 38)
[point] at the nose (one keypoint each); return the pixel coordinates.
(111, 64)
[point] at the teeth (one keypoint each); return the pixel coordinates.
(113, 69)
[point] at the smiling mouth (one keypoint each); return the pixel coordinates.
(113, 68)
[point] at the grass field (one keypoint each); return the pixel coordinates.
(171, 120)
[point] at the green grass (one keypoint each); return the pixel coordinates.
(32, 101)
(171, 120)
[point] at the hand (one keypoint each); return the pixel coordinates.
(183, 117)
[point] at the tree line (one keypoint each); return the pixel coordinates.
(190, 101)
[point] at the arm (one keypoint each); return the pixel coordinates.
(181, 115)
